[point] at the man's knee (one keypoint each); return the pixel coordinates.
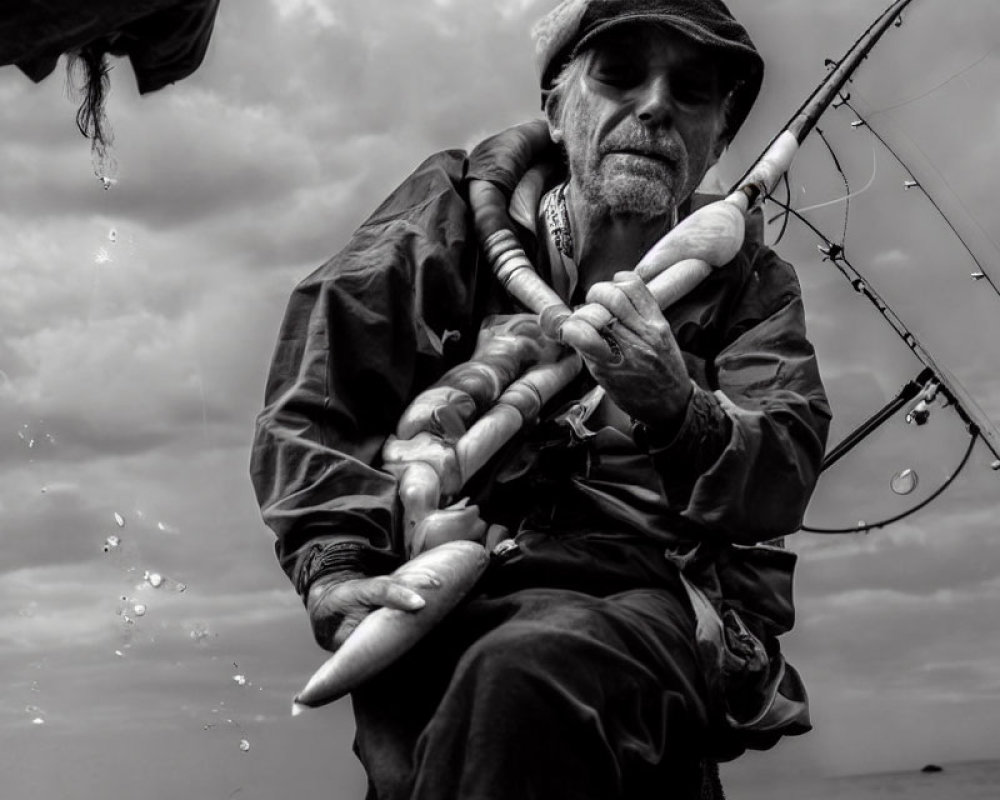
(518, 648)
(547, 631)
(572, 661)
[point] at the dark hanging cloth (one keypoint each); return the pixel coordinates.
(165, 40)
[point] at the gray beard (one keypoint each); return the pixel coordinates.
(644, 192)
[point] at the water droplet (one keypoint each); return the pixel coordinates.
(139, 609)
(244, 746)
(862, 524)
(111, 543)
(38, 721)
(154, 579)
(113, 236)
(119, 520)
(199, 633)
(241, 680)
(904, 481)
(44, 489)
(35, 710)
(119, 653)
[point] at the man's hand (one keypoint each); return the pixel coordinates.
(635, 358)
(336, 607)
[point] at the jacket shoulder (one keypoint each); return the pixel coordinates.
(438, 176)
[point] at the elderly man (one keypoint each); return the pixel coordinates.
(629, 630)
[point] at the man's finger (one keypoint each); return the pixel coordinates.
(584, 338)
(612, 297)
(637, 292)
(388, 593)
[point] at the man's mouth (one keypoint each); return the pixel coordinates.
(651, 155)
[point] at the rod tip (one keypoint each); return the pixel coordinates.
(297, 707)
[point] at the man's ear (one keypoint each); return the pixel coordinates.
(552, 115)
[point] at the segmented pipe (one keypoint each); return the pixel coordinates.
(386, 633)
(507, 258)
(685, 256)
(521, 404)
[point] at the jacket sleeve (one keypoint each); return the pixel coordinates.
(747, 456)
(360, 337)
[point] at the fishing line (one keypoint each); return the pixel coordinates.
(834, 66)
(941, 85)
(870, 526)
(933, 202)
(785, 214)
(836, 255)
(847, 185)
(849, 197)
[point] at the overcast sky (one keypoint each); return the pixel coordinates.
(136, 326)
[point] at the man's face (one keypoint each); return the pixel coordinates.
(643, 123)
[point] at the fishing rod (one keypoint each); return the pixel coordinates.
(806, 118)
(981, 273)
(431, 463)
(705, 240)
(946, 384)
(933, 383)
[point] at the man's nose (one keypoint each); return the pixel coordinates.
(655, 103)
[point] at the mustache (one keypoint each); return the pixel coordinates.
(640, 142)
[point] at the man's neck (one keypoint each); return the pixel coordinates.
(604, 243)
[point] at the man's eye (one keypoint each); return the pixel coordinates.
(618, 74)
(694, 89)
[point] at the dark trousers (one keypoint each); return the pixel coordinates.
(543, 693)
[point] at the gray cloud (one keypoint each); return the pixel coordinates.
(144, 358)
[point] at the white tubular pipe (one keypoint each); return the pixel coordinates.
(524, 399)
(670, 286)
(442, 576)
(707, 239)
(772, 165)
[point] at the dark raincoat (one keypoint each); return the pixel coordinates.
(402, 303)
